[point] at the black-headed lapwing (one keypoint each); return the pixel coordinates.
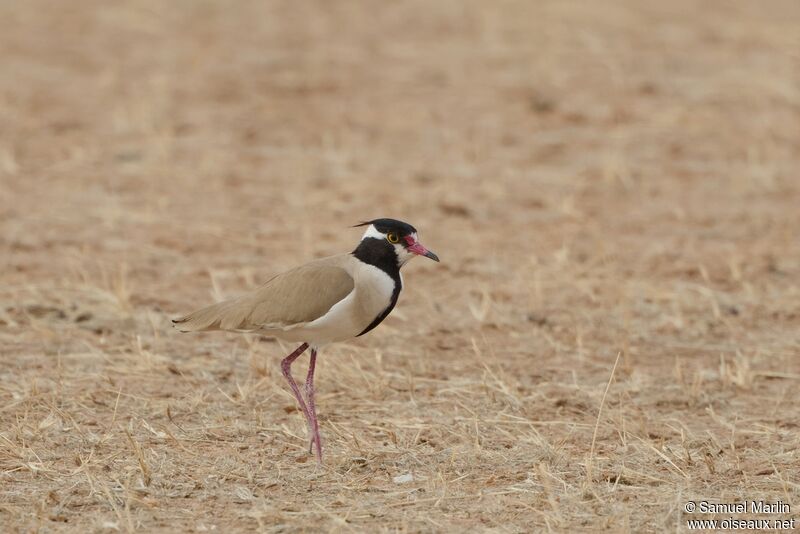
(324, 301)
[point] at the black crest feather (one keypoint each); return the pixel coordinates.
(387, 225)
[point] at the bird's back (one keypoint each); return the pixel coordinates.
(286, 301)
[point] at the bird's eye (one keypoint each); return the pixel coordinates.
(392, 237)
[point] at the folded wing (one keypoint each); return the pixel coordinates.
(288, 300)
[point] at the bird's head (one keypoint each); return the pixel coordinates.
(392, 235)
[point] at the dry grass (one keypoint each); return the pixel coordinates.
(600, 179)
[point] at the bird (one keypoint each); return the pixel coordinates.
(324, 301)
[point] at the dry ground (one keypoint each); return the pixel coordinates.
(599, 179)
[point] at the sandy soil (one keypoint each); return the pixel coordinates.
(599, 179)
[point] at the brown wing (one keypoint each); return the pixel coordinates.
(295, 297)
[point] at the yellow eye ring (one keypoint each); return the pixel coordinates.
(392, 237)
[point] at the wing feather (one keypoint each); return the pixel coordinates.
(288, 300)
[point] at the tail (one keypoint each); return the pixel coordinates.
(226, 315)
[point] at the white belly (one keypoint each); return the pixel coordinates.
(349, 317)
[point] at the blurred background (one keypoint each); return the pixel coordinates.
(597, 177)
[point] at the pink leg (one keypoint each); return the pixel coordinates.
(286, 367)
(312, 407)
